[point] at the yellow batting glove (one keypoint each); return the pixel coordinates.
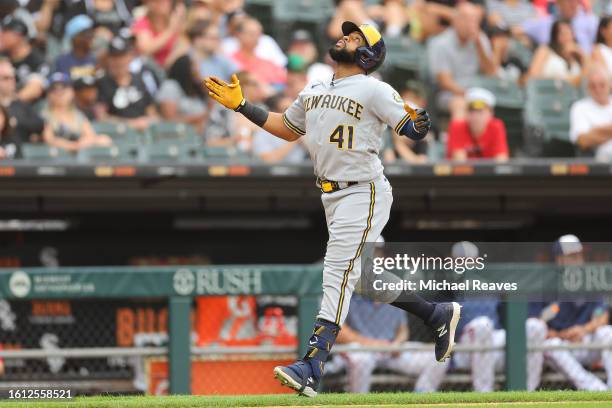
(228, 95)
(411, 112)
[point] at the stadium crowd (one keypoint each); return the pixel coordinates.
(69, 68)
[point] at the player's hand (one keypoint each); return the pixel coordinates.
(420, 122)
(228, 95)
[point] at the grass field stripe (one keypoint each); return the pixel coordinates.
(292, 126)
(400, 125)
(364, 236)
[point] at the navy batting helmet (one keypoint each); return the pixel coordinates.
(368, 57)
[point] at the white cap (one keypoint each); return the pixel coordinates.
(480, 97)
(464, 249)
(567, 245)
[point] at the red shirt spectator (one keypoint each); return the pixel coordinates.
(266, 71)
(480, 135)
(158, 31)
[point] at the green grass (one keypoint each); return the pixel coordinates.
(545, 399)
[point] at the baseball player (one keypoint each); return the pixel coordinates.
(341, 123)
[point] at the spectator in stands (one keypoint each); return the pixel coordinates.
(181, 96)
(86, 96)
(244, 130)
(561, 59)
(158, 31)
(10, 146)
(407, 149)
(577, 322)
(248, 33)
(67, 127)
(381, 325)
(584, 24)
(123, 95)
(271, 149)
(510, 13)
(80, 61)
(29, 64)
(509, 66)
(602, 52)
(16, 10)
(480, 326)
(457, 55)
(480, 135)
(297, 79)
(26, 122)
(266, 46)
(205, 52)
(391, 15)
(303, 54)
(591, 117)
(109, 16)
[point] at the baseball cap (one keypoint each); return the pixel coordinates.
(464, 249)
(58, 78)
(301, 36)
(479, 98)
(119, 46)
(13, 24)
(77, 25)
(567, 245)
(84, 82)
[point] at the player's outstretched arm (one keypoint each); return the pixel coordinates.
(230, 96)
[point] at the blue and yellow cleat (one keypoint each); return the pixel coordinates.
(298, 376)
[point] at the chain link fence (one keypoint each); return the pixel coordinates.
(119, 346)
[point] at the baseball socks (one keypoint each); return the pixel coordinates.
(304, 375)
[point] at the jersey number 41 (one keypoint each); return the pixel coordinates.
(338, 134)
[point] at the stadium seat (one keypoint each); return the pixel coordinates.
(224, 153)
(172, 131)
(119, 152)
(43, 152)
(119, 132)
(556, 87)
(405, 54)
(173, 151)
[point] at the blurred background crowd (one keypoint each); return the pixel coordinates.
(118, 79)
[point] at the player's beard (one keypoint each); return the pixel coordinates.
(342, 55)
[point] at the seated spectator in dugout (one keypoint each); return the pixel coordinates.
(27, 124)
(381, 325)
(480, 326)
(591, 117)
(29, 63)
(457, 55)
(123, 95)
(480, 135)
(66, 126)
(576, 322)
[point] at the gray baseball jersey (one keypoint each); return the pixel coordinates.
(342, 122)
